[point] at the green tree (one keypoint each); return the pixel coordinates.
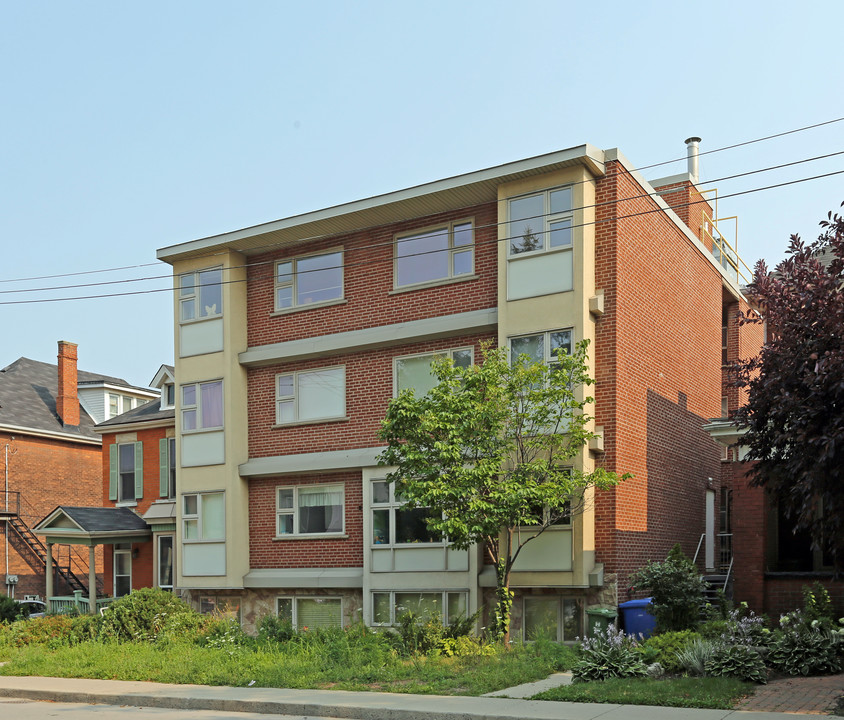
(489, 451)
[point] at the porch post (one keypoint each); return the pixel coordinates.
(49, 590)
(92, 580)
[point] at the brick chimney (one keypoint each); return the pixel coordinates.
(67, 400)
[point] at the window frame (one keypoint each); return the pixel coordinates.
(443, 593)
(195, 297)
(452, 250)
(294, 610)
(196, 407)
(296, 374)
(220, 600)
(172, 538)
(294, 511)
(549, 358)
(561, 602)
(433, 354)
(115, 480)
(197, 517)
(547, 220)
(293, 282)
(391, 506)
(128, 553)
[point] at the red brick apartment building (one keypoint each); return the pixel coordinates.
(292, 336)
(51, 455)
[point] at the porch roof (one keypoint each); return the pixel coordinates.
(92, 526)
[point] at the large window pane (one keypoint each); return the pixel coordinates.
(422, 604)
(381, 608)
(322, 394)
(320, 510)
(212, 404)
(456, 606)
(319, 278)
(285, 609)
(560, 200)
(380, 527)
(318, 612)
(541, 617)
(210, 292)
(422, 258)
(571, 619)
(213, 516)
(532, 346)
(526, 223)
(415, 373)
(165, 561)
(560, 341)
(412, 528)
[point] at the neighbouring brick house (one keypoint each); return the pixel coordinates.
(292, 337)
(51, 455)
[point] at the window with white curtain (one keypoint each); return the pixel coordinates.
(310, 510)
(310, 395)
(202, 406)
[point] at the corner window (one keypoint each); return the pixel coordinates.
(202, 406)
(203, 517)
(310, 395)
(541, 347)
(555, 618)
(309, 510)
(439, 253)
(540, 222)
(306, 613)
(414, 371)
(388, 607)
(201, 294)
(393, 524)
(308, 280)
(126, 472)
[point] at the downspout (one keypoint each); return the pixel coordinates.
(6, 508)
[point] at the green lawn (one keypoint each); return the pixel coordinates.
(711, 692)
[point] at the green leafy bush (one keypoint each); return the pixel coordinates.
(143, 614)
(10, 610)
(663, 648)
(800, 649)
(50, 630)
(610, 654)
(817, 605)
(224, 633)
(274, 628)
(419, 635)
(465, 647)
(693, 657)
(676, 590)
(737, 661)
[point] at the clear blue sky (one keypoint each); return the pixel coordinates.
(126, 127)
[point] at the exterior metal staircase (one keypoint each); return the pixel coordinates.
(36, 554)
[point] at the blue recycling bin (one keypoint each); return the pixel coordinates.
(637, 617)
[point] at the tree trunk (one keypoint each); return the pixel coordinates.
(503, 603)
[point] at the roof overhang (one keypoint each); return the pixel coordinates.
(724, 432)
(20, 430)
(136, 425)
(60, 527)
(440, 196)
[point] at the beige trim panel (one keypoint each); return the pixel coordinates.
(304, 578)
(311, 462)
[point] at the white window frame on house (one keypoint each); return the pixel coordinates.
(193, 517)
(192, 306)
(549, 357)
(445, 596)
(119, 404)
(549, 221)
(122, 550)
(195, 407)
(385, 504)
(435, 354)
(294, 600)
(562, 635)
(159, 564)
(405, 250)
(289, 278)
(288, 517)
(289, 405)
(116, 473)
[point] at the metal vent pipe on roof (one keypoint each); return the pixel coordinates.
(693, 148)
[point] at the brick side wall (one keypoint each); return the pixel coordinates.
(658, 378)
(369, 388)
(304, 552)
(368, 280)
(690, 206)
(47, 473)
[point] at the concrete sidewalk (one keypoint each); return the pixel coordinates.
(343, 704)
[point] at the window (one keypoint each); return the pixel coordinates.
(202, 406)
(393, 524)
(204, 517)
(388, 607)
(201, 294)
(305, 613)
(167, 467)
(122, 570)
(309, 510)
(540, 222)
(168, 396)
(126, 472)
(542, 347)
(556, 618)
(436, 254)
(308, 280)
(119, 404)
(221, 605)
(165, 562)
(414, 372)
(310, 395)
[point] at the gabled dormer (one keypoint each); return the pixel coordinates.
(165, 381)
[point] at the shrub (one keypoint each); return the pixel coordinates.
(420, 635)
(738, 661)
(744, 627)
(693, 657)
(801, 649)
(51, 630)
(817, 605)
(610, 654)
(663, 649)
(11, 610)
(465, 646)
(224, 633)
(142, 615)
(676, 590)
(274, 628)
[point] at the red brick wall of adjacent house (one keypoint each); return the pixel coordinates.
(142, 565)
(658, 378)
(47, 472)
(368, 282)
(369, 388)
(304, 551)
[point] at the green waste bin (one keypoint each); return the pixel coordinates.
(599, 619)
